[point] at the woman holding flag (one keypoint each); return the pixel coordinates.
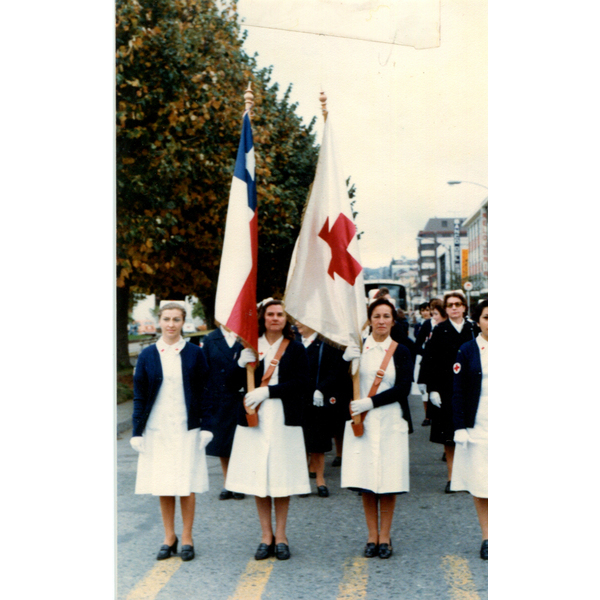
(376, 463)
(269, 460)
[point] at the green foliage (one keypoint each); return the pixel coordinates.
(181, 74)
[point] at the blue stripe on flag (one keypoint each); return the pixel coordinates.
(246, 144)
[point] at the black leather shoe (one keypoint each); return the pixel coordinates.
(448, 490)
(484, 550)
(282, 552)
(385, 550)
(238, 496)
(426, 423)
(166, 551)
(444, 459)
(322, 491)
(337, 462)
(187, 552)
(312, 475)
(371, 550)
(225, 494)
(265, 550)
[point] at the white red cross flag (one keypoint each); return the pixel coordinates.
(235, 305)
(325, 288)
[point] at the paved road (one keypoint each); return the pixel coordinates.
(435, 536)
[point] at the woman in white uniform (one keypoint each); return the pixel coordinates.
(269, 460)
(377, 462)
(168, 413)
(470, 415)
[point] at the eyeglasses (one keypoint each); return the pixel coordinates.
(454, 304)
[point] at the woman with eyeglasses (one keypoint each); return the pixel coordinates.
(447, 337)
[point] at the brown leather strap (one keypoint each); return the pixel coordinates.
(359, 428)
(381, 372)
(274, 362)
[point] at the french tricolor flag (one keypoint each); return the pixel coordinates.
(235, 305)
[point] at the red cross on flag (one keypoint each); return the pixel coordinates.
(325, 288)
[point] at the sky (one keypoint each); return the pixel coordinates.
(407, 120)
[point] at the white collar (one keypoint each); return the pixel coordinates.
(230, 336)
(264, 347)
(309, 340)
(483, 344)
(458, 327)
(177, 347)
(370, 343)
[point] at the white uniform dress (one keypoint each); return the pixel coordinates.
(172, 463)
(470, 467)
(378, 460)
(270, 459)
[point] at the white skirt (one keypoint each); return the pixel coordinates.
(378, 460)
(270, 459)
(470, 466)
(171, 464)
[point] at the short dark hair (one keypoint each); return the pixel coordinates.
(437, 304)
(381, 292)
(458, 295)
(478, 310)
(424, 306)
(287, 329)
(378, 302)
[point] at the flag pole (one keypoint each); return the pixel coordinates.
(356, 419)
(250, 367)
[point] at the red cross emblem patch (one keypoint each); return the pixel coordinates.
(456, 368)
(332, 400)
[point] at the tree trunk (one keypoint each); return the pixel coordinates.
(122, 327)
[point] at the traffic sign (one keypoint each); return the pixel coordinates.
(468, 286)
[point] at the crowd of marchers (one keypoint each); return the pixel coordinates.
(272, 417)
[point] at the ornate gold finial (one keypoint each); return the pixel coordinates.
(249, 99)
(323, 100)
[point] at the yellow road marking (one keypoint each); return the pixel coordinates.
(459, 578)
(354, 580)
(252, 583)
(155, 580)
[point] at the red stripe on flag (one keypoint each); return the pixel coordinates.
(243, 319)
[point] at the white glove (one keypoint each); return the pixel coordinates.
(351, 352)
(318, 398)
(255, 397)
(360, 406)
(461, 436)
(247, 356)
(435, 399)
(205, 438)
(137, 443)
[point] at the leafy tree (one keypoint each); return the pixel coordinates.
(180, 77)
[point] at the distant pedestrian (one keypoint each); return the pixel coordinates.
(446, 338)
(171, 427)
(269, 460)
(470, 414)
(222, 351)
(376, 463)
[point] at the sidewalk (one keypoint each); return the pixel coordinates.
(124, 412)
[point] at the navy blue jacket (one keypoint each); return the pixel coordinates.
(399, 393)
(467, 386)
(440, 356)
(148, 377)
(293, 386)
